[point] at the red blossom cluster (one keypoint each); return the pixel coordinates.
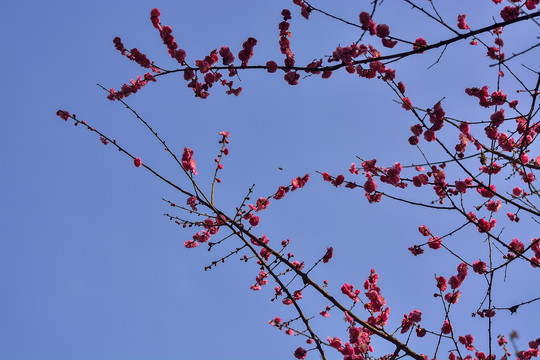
(410, 320)
(247, 51)
(380, 30)
(305, 9)
(135, 55)
(188, 163)
(462, 24)
(127, 90)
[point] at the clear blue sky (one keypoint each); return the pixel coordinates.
(89, 267)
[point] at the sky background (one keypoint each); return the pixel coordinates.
(89, 266)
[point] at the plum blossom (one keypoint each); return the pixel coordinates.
(188, 163)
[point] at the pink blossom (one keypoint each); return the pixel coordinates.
(419, 180)
(493, 205)
(417, 129)
(154, 17)
(531, 5)
(328, 255)
(191, 244)
(262, 204)
(497, 117)
(509, 13)
(452, 298)
(287, 301)
(447, 327)
(415, 316)
(348, 317)
(419, 43)
(441, 283)
(367, 22)
(479, 267)
(227, 56)
(188, 163)
(401, 88)
(414, 140)
(299, 182)
(292, 77)
(271, 66)
(429, 135)
(254, 220)
(485, 192)
(300, 353)
(461, 22)
(137, 162)
(462, 186)
(416, 250)
(280, 193)
(407, 104)
(517, 246)
(454, 282)
(353, 169)
(338, 180)
(512, 217)
(64, 115)
(382, 30)
(424, 230)
(191, 202)
(495, 53)
(347, 289)
(483, 226)
(467, 340)
(434, 243)
(286, 14)
(334, 342)
(370, 185)
(389, 44)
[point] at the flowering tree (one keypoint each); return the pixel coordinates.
(478, 171)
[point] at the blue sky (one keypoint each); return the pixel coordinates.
(89, 266)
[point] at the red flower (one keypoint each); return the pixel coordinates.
(447, 327)
(187, 161)
(292, 77)
(407, 104)
(254, 220)
(328, 255)
(419, 43)
(441, 283)
(479, 267)
(272, 66)
(461, 22)
(64, 115)
(510, 13)
(300, 353)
